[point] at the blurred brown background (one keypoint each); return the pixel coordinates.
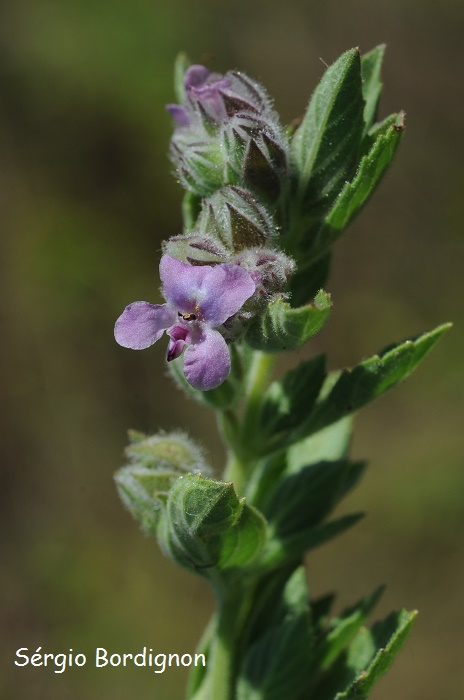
(86, 198)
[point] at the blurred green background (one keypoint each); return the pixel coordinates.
(87, 197)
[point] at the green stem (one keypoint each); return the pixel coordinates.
(237, 471)
(260, 371)
(238, 438)
(223, 661)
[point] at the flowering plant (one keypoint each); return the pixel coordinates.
(243, 283)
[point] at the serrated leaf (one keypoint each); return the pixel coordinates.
(355, 193)
(370, 379)
(268, 608)
(386, 639)
(276, 665)
(371, 66)
(282, 593)
(382, 129)
(285, 549)
(325, 145)
(302, 500)
(282, 327)
(344, 628)
(286, 402)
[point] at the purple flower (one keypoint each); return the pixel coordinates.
(201, 88)
(198, 300)
(218, 96)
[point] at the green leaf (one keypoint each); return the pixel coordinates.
(286, 549)
(191, 207)
(367, 381)
(276, 665)
(355, 193)
(263, 478)
(382, 129)
(180, 66)
(371, 65)
(145, 504)
(307, 280)
(330, 444)
(343, 629)
(198, 673)
(325, 146)
(243, 542)
(282, 328)
(380, 645)
(302, 500)
(286, 402)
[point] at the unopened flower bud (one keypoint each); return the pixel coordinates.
(199, 161)
(226, 132)
(197, 249)
(256, 154)
(155, 464)
(235, 217)
(165, 451)
(269, 269)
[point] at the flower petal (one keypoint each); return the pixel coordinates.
(178, 337)
(195, 75)
(179, 114)
(141, 324)
(207, 361)
(218, 291)
(227, 289)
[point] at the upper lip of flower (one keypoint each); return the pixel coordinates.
(198, 300)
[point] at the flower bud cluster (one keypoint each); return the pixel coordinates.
(227, 133)
(235, 227)
(232, 155)
(155, 464)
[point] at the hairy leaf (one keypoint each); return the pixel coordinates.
(286, 549)
(282, 327)
(343, 629)
(303, 499)
(367, 381)
(276, 665)
(325, 145)
(355, 193)
(371, 65)
(287, 401)
(369, 656)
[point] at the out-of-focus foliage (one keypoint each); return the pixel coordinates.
(86, 200)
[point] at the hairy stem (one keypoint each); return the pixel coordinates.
(233, 609)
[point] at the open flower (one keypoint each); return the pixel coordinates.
(198, 300)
